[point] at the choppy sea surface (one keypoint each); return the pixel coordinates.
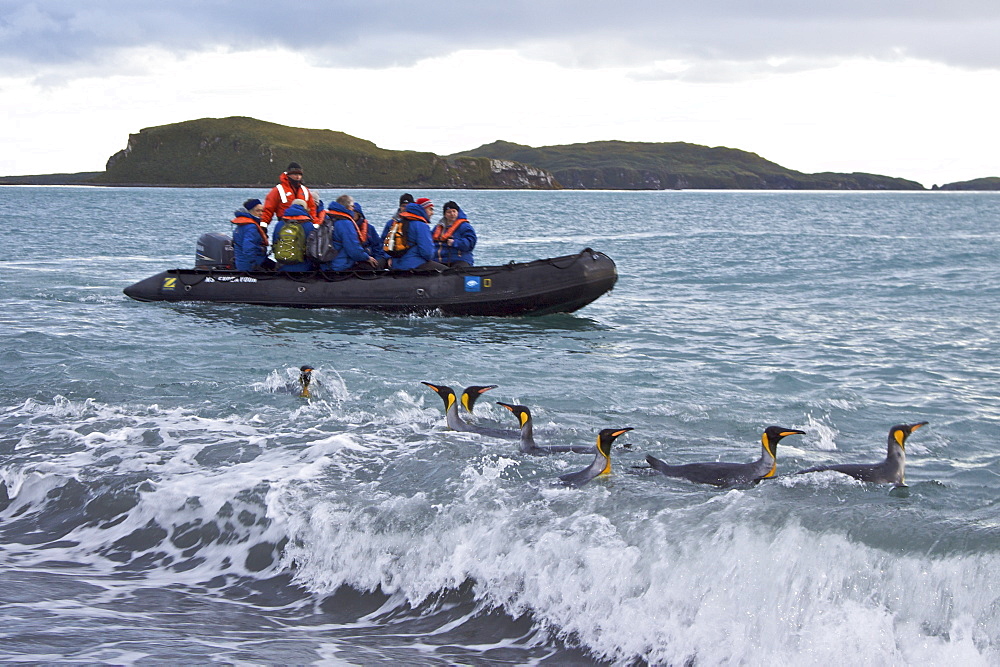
(167, 497)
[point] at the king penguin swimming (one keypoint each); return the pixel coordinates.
(890, 471)
(471, 394)
(305, 379)
(602, 461)
(731, 474)
(456, 423)
(528, 445)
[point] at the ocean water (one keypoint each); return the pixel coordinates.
(166, 496)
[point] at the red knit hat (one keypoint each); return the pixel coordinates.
(424, 201)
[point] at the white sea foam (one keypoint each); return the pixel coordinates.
(180, 492)
(664, 586)
(820, 434)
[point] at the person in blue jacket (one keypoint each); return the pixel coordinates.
(294, 214)
(420, 254)
(454, 238)
(404, 199)
(347, 239)
(250, 238)
(372, 242)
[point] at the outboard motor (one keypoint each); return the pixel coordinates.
(215, 251)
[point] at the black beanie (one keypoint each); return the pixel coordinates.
(294, 168)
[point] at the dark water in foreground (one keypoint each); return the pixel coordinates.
(166, 497)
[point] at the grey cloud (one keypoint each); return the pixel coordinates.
(37, 37)
(726, 71)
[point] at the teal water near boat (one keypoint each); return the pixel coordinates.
(167, 497)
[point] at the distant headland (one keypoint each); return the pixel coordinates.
(245, 152)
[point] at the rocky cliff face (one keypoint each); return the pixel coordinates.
(492, 173)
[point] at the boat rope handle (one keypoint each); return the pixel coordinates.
(180, 279)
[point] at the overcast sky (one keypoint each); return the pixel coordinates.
(908, 88)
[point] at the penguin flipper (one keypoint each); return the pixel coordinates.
(578, 478)
(691, 471)
(714, 474)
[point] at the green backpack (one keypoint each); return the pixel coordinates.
(290, 247)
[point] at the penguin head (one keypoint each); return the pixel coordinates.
(522, 413)
(900, 432)
(772, 434)
(606, 437)
(471, 394)
(447, 394)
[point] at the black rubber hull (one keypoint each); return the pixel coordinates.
(557, 285)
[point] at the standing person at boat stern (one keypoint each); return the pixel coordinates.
(288, 189)
(454, 238)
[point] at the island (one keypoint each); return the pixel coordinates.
(245, 152)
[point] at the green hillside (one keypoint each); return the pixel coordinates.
(246, 151)
(990, 183)
(657, 166)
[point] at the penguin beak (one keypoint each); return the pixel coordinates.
(619, 432)
(904, 433)
(792, 432)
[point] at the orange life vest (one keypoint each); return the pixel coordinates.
(250, 221)
(361, 229)
(440, 235)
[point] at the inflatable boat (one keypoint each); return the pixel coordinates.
(554, 285)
